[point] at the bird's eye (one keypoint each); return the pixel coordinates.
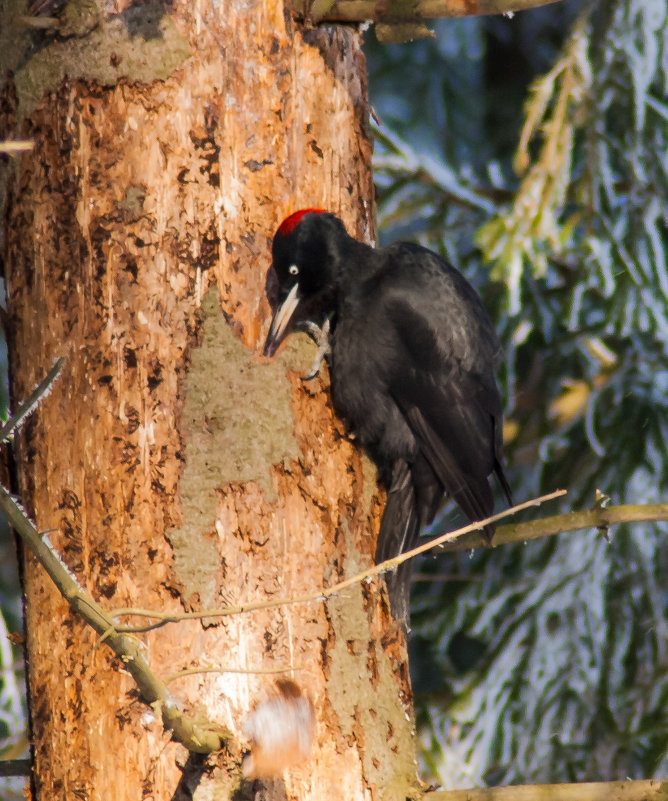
(293, 269)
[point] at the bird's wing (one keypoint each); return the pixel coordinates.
(444, 385)
(457, 440)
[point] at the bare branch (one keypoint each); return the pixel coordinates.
(14, 767)
(368, 10)
(598, 518)
(643, 790)
(199, 737)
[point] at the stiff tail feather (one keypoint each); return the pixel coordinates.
(399, 531)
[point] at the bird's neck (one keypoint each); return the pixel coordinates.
(356, 262)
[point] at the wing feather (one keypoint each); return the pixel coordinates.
(445, 387)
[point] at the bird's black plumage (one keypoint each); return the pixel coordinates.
(413, 361)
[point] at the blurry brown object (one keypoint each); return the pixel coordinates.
(281, 730)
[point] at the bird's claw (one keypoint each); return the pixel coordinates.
(321, 337)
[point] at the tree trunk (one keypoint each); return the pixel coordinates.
(175, 468)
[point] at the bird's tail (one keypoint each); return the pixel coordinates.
(503, 481)
(399, 531)
(475, 499)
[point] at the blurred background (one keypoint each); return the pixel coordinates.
(532, 152)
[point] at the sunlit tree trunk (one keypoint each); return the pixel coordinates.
(175, 468)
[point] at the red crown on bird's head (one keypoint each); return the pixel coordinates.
(291, 222)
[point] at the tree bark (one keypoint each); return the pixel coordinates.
(174, 468)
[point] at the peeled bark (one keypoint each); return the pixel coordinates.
(175, 468)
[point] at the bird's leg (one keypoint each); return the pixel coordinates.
(321, 337)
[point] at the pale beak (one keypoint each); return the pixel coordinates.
(281, 320)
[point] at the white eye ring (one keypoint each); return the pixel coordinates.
(293, 269)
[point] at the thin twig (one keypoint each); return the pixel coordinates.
(38, 23)
(12, 146)
(243, 671)
(30, 403)
(163, 618)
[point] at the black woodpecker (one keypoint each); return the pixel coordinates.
(413, 357)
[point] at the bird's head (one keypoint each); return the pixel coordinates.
(301, 283)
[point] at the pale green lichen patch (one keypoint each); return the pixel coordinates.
(141, 44)
(237, 423)
(362, 688)
(367, 709)
(132, 204)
